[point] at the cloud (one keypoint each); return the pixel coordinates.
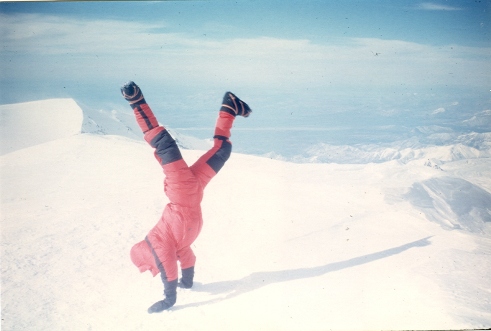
(438, 111)
(48, 46)
(435, 6)
(48, 34)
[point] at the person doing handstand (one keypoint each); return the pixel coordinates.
(169, 241)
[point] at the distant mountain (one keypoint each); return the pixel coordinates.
(434, 145)
(465, 147)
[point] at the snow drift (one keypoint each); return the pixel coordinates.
(452, 202)
(285, 246)
(27, 124)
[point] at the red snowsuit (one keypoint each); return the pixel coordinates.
(169, 241)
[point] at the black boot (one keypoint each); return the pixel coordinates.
(132, 93)
(170, 293)
(187, 278)
(233, 105)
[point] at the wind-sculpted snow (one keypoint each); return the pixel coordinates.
(453, 203)
(27, 124)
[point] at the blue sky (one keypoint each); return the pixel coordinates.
(308, 64)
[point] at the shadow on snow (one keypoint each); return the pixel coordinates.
(256, 280)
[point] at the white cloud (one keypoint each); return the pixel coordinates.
(436, 6)
(438, 111)
(76, 47)
(47, 34)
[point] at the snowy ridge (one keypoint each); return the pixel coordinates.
(452, 202)
(430, 144)
(284, 246)
(110, 123)
(472, 146)
(190, 142)
(27, 124)
(481, 119)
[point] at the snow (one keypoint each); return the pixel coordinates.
(21, 127)
(463, 147)
(285, 246)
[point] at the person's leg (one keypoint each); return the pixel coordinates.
(180, 183)
(144, 116)
(187, 260)
(166, 150)
(207, 166)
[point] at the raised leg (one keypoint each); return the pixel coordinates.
(208, 165)
(180, 184)
(144, 116)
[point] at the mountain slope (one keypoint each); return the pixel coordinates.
(284, 246)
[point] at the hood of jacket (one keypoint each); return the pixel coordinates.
(143, 259)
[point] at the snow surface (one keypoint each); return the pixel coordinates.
(285, 246)
(27, 124)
